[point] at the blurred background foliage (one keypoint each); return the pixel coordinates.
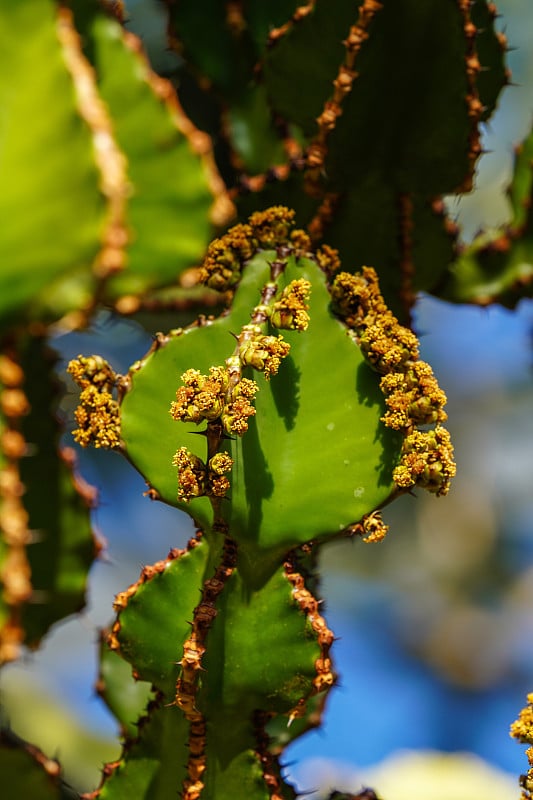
(435, 626)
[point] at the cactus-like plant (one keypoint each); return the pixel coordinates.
(335, 143)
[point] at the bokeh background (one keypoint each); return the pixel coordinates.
(435, 624)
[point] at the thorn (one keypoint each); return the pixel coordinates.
(152, 493)
(159, 340)
(287, 764)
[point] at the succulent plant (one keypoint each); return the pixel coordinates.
(289, 195)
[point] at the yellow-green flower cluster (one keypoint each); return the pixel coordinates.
(240, 408)
(267, 230)
(222, 265)
(427, 461)
(386, 344)
(223, 398)
(289, 312)
(522, 731)
(412, 395)
(195, 479)
(373, 528)
(202, 397)
(263, 353)
(218, 466)
(357, 298)
(210, 397)
(191, 475)
(328, 259)
(97, 414)
(272, 227)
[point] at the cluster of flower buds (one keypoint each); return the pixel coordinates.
(212, 397)
(263, 353)
(412, 394)
(386, 344)
(202, 397)
(373, 528)
(226, 256)
(413, 397)
(272, 229)
(328, 259)
(427, 461)
(370, 528)
(522, 731)
(223, 263)
(196, 479)
(223, 398)
(356, 298)
(97, 414)
(289, 311)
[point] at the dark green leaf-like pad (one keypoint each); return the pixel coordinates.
(421, 147)
(270, 651)
(301, 99)
(261, 654)
(58, 507)
(384, 128)
(238, 774)
(222, 48)
(491, 47)
(154, 766)
(28, 773)
(254, 674)
(125, 697)
(498, 265)
(252, 133)
(362, 237)
(170, 197)
(155, 623)
(316, 456)
(219, 51)
(407, 124)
